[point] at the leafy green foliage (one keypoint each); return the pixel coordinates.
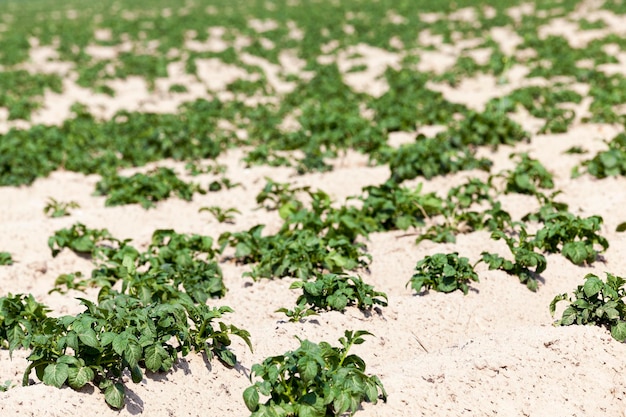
(489, 128)
(83, 144)
(6, 258)
(81, 240)
(444, 273)
(123, 333)
(148, 66)
(541, 102)
(145, 189)
(319, 239)
(158, 315)
(528, 175)
(409, 103)
(460, 214)
(21, 317)
(572, 236)
(596, 302)
(333, 292)
(393, 207)
(172, 260)
(315, 380)
(525, 259)
(430, 157)
(21, 91)
(454, 150)
(276, 195)
(56, 208)
(611, 162)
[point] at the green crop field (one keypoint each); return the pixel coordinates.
(294, 191)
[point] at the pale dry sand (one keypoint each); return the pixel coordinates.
(492, 352)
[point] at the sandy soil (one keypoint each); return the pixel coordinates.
(492, 352)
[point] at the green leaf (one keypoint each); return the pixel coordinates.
(89, 338)
(577, 252)
(226, 356)
(154, 356)
(621, 227)
(79, 376)
(592, 286)
(114, 395)
(308, 369)
(341, 403)
(136, 374)
(120, 343)
(56, 374)
(618, 331)
(251, 398)
(132, 353)
(569, 316)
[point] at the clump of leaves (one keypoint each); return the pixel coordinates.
(6, 258)
(393, 207)
(409, 103)
(21, 318)
(444, 273)
(528, 175)
(524, 258)
(177, 88)
(195, 169)
(294, 252)
(489, 128)
(549, 206)
(276, 195)
(611, 162)
(81, 240)
(315, 380)
(56, 208)
(333, 292)
(430, 157)
(220, 214)
(576, 237)
(596, 302)
(21, 92)
(541, 102)
(316, 239)
(172, 260)
(145, 189)
(123, 333)
(459, 217)
(222, 183)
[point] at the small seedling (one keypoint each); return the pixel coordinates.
(221, 215)
(6, 258)
(56, 208)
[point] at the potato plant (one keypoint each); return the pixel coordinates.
(333, 292)
(444, 273)
(316, 380)
(596, 302)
